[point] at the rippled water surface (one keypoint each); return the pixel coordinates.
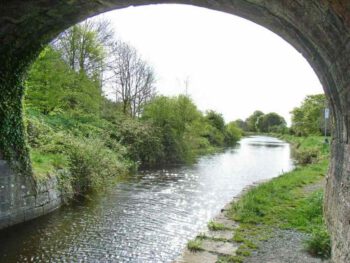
(149, 218)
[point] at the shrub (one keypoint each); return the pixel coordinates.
(306, 156)
(38, 132)
(232, 134)
(93, 165)
(142, 140)
(319, 243)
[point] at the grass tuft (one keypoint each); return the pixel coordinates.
(215, 226)
(195, 245)
(319, 244)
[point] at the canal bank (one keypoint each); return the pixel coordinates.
(276, 221)
(150, 217)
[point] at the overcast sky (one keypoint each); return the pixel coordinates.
(232, 65)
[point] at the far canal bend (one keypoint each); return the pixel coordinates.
(151, 217)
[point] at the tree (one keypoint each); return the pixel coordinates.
(85, 46)
(216, 120)
(271, 122)
(178, 119)
(215, 130)
(241, 124)
(53, 86)
(133, 79)
(252, 121)
(308, 118)
(232, 133)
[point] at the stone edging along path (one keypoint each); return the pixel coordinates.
(216, 243)
(283, 246)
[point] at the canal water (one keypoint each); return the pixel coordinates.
(151, 217)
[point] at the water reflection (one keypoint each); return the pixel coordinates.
(150, 218)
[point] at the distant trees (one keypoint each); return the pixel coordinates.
(241, 124)
(260, 122)
(271, 122)
(252, 121)
(133, 79)
(309, 117)
(185, 130)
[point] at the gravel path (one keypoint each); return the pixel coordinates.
(285, 247)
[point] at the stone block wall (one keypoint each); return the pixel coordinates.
(22, 201)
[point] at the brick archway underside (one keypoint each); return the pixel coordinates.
(319, 29)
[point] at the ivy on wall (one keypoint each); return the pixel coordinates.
(13, 146)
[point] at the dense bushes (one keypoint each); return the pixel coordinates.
(87, 158)
(76, 132)
(185, 131)
(142, 141)
(232, 133)
(94, 150)
(93, 165)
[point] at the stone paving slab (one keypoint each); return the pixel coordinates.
(222, 234)
(219, 247)
(198, 257)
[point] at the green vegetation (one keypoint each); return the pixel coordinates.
(308, 119)
(307, 150)
(230, 259)
(263, 123)
(215, 226)
(271, 122)
(319, 244)
(286, 202)
(87, 140)
(195, 245)
(293, 200)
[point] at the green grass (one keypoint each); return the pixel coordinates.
(230, 259)
(215, 226)
(195, 245)
(276, 201)
(284, 203)
(319, 244)
(46, 164)
(306, 150)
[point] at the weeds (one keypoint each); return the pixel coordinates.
(319, 244)
(195, 245)
(215, 226)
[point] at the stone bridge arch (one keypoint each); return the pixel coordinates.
(319, 29)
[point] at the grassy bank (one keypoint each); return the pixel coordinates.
(292, 201)
(87, 152)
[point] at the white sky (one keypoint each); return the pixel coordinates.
(233, 65)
